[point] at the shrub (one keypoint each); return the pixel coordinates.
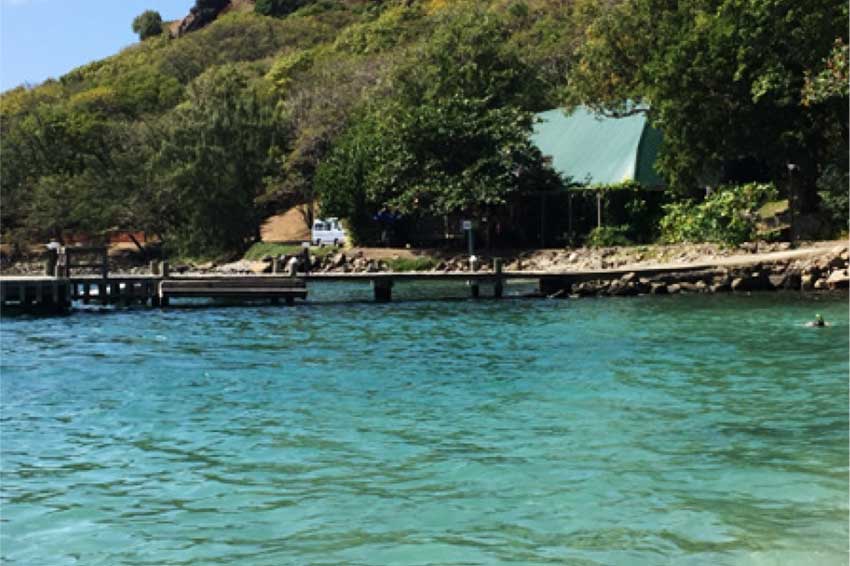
(277, 7)
(835, 200)
(394, 26)
(147, 24)
(604, 236)
(832, 186)
(727, 216)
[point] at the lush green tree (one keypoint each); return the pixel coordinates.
(828, 86)
(212, 164)
(457, 155)
(723, 79)
(147, 24)
(467, 55)
(452, 137)
(343, 180)
(450, 156)
(320, 94)
(544, 36)
(67, 166)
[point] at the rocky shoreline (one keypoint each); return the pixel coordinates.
(828, 270)
(760, 277)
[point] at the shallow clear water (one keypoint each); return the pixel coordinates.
(664, 430)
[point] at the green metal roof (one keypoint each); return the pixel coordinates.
(594, 150)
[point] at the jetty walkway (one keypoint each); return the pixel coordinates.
(59, 292)
(45, 293)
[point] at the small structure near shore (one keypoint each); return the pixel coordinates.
(594, 150)
(594, 153)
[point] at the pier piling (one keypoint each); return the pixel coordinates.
(383, 289)
(498, 283)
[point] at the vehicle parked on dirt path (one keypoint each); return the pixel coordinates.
(328, 231)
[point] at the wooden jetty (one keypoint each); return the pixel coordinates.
(60, 286)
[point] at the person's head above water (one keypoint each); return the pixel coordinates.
(819, 320)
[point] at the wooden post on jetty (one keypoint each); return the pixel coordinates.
(499, 282)
(104, 263)
(163, 272)
(50, 262)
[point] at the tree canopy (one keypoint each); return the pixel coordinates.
(211, 163)
(724, 81)
(452, 138)
(147, 24)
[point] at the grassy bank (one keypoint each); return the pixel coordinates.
(262, 249)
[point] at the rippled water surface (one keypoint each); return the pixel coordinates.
(667, 430)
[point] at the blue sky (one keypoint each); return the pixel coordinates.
(40, 39)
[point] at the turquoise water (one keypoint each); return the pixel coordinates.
(664, 430)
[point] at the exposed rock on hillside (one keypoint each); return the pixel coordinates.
(206, 11)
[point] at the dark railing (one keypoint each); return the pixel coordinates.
(82, 258)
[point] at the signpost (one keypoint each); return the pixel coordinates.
(470, 236)
(473, 261)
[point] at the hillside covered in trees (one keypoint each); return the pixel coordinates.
(209, 125)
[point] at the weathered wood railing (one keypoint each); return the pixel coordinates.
(97, 258)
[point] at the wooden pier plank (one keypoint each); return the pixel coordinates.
(233, 288)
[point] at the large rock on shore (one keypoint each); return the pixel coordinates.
(244, 266)
(755, 281)
(838, 279)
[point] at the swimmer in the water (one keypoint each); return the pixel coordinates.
(817, 322)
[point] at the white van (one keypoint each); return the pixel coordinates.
(328, 231)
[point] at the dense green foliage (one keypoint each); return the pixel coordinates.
(605, 236)
(725, 80)
(147, 24)
(211, 164)
(418, 108)
(277, 7)
(727, 216)
(452, 138)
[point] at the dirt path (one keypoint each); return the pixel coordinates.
(810, 251)
(631, 257)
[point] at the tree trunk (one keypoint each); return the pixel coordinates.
(138, 245)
